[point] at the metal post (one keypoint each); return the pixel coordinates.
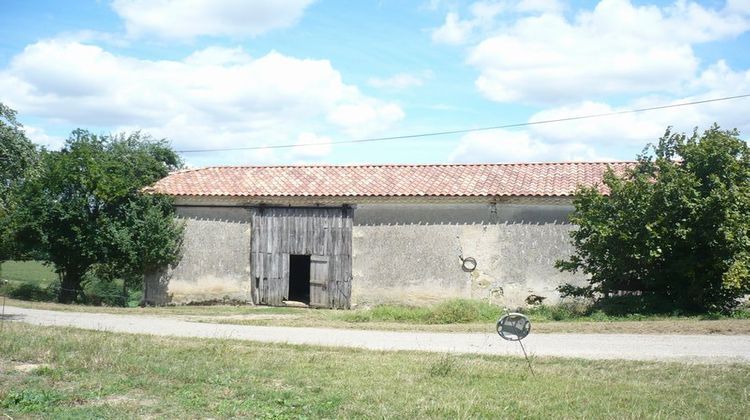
(2, 316)
(527, 358)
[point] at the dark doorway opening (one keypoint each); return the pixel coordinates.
(299, 278)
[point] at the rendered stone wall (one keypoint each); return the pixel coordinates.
(410, 253)
(407, 253)
(215, 263)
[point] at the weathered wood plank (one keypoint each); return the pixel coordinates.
(325, 232)
(273, 234)
(302, 229)
(327, 239)
(290, 248)
(346, 233)
(333, 284)
(319, 278)
(273, 279)
(285, 275)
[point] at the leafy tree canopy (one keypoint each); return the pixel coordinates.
(674, 232)
(86, 211)
(18, 158)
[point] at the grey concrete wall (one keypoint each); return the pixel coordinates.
(215, 263)
(406, 253)
(410, 253)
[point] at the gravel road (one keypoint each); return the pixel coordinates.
(693, 348)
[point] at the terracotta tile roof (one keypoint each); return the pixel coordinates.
(467, 180)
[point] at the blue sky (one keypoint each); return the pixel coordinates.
(230, 73)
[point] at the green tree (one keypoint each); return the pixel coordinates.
(143, 238)
(18, 158)
(674, 231)
(86, 209)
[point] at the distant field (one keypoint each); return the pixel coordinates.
(33, 272)
(68, 373)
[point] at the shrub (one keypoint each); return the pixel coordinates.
(101, 292)
(563, 311)
(135, 297)
(673, 231)
(32, 292)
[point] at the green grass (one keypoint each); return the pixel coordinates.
(35, 281)
(28, 280)
(462, 311)
(31, 272)
(456, 311)
(97, 374)
(399, 318)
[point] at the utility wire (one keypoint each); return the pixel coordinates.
(469, 130)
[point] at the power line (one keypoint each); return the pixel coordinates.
(469, 130)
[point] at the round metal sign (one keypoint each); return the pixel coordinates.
(514, 327)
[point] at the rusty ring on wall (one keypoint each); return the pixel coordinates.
(468, 264)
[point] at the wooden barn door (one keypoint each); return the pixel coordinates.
(319, 280)
(325, 234)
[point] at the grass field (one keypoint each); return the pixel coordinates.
(57, 372)
(32, 272)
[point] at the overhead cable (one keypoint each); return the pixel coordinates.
(470, 130)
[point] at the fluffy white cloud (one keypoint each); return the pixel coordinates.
(400, 81)
(215, 97)
(456, 31)
(553, 6)
(518, 146)
(625, 129)
(739, 6)
(311, 146)
(615, 48)
(188, 19)
(597, 138)
(362, 117)
(40, 137)
(640, 128)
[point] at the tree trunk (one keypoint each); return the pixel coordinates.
(124, 292)
(70, 287)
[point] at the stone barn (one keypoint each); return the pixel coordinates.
(341, 236)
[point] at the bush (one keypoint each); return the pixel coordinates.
(135, 297)
(673, 232)
(101, 292)
(32, 292)
(645, 303)
(563, 311)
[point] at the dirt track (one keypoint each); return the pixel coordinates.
(696, 348)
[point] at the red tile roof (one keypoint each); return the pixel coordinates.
(470, 180)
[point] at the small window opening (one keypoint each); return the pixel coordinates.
(299, 278)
